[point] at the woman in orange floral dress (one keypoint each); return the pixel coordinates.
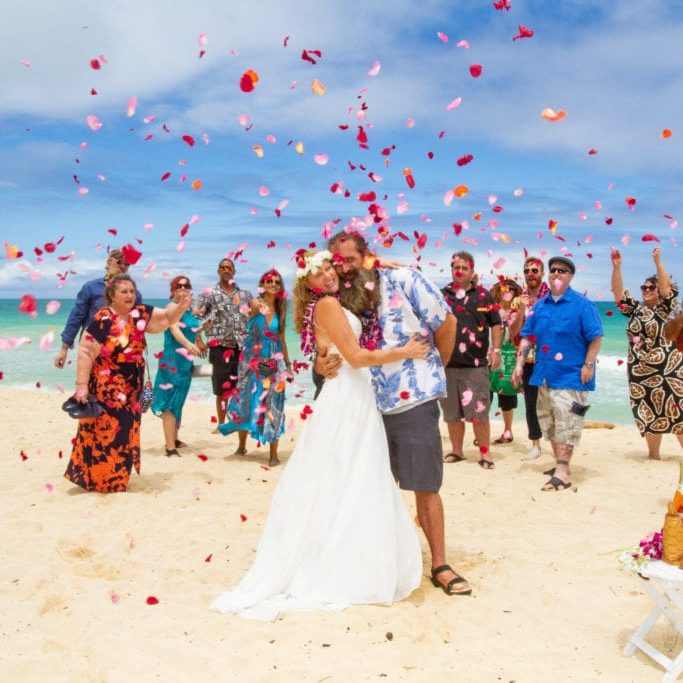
(111, 365)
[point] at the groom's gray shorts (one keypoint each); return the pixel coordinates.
(415, 450)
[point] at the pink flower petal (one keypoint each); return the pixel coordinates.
(93, 122)
(442, 37)
(46, 341)
(52, 307)
(321, 159)
(376, 66)
(132, 106)
(454, 104)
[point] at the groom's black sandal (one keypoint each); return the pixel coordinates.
(447, 588)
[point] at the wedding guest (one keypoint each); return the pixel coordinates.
(567, 330)
(111, 367)
(224, 311)
(536, 288)
(182, 344)
(89, 300)
(654, 365)
(469, 369)
(506, 293)
(258, 406)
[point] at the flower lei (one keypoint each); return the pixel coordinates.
(371, 334)
(307, 329)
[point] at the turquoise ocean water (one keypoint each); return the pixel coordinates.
(26, 366)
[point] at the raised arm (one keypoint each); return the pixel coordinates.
(330, 318)
(617, 282)
(162, 318)
(663, 279)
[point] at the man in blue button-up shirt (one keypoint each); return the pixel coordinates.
(566, 328)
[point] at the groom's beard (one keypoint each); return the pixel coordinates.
(354, 290)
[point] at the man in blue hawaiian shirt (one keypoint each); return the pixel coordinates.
(407, 391)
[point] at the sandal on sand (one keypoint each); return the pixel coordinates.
(503, 439)
(551, 471)
(448, 588)
(453, 457)
(486, 464)
(180, 444)
(556, 484)
(171, 451)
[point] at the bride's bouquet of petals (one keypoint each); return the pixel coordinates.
(649, 548)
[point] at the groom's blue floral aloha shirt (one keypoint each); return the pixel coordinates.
(410, 304)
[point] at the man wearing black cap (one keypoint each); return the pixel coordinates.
(567, 331)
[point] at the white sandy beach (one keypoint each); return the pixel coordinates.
(549, 600)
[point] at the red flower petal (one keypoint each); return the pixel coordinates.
(208, 557)
(151, 600)
(475, 70)
(130, 254)
(189, 140)
(243, 517)
(462, 161)
(648, 237)
(203, 457)
(405, 395)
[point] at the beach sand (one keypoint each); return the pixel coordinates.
(549, 601)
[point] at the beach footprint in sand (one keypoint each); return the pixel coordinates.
(84, 561)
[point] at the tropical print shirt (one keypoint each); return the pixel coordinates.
(410, 304)
(227, 315)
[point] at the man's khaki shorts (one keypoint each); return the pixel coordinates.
(558, 422)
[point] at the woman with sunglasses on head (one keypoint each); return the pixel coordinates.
(258, 406)
(182, 344)
(655, 367)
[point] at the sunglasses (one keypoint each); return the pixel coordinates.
(561, 271)
(269, 281)
(647, 288)
(535, 271)
(183, 285)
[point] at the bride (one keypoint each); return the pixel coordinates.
(338, 532)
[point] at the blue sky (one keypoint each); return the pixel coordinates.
(615, 68)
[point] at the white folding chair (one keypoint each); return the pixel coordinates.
(662, 584)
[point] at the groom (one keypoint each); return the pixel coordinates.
(407, 392)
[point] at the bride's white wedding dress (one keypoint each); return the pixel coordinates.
(338, 532)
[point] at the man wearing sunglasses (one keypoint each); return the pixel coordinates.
(89, 300)
(536, 288)
(567, 331)
(225, 311)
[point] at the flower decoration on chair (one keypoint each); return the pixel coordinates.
(649, 548)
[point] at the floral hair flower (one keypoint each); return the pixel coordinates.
(310, 262)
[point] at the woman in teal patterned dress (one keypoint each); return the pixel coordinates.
(182, 343)
(264, 367)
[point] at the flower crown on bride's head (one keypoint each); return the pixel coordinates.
(310, 261)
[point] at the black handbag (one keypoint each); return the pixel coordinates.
(266, 367)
